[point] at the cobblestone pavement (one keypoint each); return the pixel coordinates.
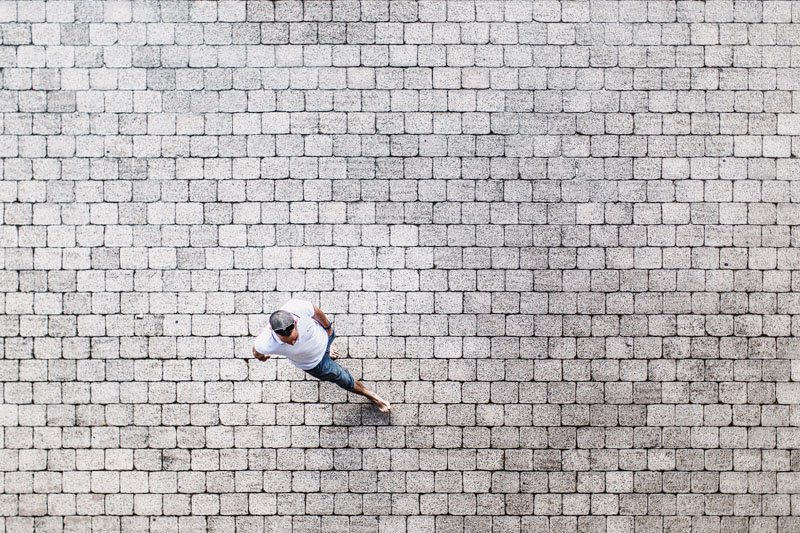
(561, 237)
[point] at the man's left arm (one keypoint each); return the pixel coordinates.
(323, 320)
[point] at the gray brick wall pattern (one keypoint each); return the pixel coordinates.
(561, 237)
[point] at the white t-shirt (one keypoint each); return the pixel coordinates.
(311, 342)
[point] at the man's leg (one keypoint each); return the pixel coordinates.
(328, 370)
(382, 405)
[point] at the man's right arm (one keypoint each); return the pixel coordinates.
(259, 356)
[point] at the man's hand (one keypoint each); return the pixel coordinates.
(259, 356)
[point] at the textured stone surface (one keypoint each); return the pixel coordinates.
(560, 236)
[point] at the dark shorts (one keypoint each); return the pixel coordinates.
(330, 370)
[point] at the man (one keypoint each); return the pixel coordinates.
(302, 333)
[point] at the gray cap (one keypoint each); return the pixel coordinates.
(280, 320)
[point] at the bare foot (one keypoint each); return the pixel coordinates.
(334, 353)
(382, 405)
